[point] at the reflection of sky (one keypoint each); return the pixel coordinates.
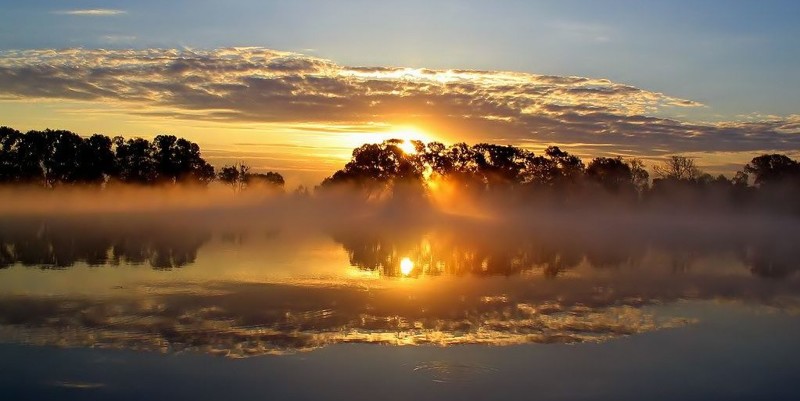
(256, 289)
(720, 359)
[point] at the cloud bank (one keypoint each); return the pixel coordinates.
(261, 85)
(93, 12)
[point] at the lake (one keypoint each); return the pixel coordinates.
(231, 304)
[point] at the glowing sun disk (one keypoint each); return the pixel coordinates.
(407, 147)
(406, 266)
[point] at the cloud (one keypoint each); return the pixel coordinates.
(260, 85)
(117, 39)
(93, 12)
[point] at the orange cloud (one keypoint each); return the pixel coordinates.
(261, 85)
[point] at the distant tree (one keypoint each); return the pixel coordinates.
(270, 180)
(461, 167)
(31, 152)
(179, 161)
(499, 165)
(434, 155)
(10, 142)
(377, 167)
(639, 175)
(679, 168)
(540, 171)
(54, 157)
(61, 160)
(570, 166)
(136, 163)
(234, 175)
(773, 169)
(740, 179)
(301, 192)
(613, 174)
(96, 159)
(720, 181)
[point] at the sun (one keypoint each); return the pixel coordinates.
(407, 135)
(407, 147)
(406, 266)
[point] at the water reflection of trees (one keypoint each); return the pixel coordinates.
(442, 254)
(497, 251)
(58, 243)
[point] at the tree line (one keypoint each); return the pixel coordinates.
(517, 173)
(53, 158)
(488, 252)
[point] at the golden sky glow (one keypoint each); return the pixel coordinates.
(302, 115)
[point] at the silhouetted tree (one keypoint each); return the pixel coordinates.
(613, 174)
(135, 161)
(377, 167)
(540, 171)
(10, 142)
(680, 168)
(462, 167)
(31, 152)
(264, 180)
(179, 161)
(57, 157)
(499, 166)
(97, 159)
(570, 166)
(774, 169)
(234, 175)
(639, 175)
(62, 157)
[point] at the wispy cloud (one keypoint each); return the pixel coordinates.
(117, 39)
(95, 12)
(261, 85)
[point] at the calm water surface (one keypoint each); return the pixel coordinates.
(114, 307)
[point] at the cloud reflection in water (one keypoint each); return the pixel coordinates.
(472, 283)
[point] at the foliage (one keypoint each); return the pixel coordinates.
(677, 167)
(53, 158)
(773, 169)
(240, 178)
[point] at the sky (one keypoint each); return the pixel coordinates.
(293, 86)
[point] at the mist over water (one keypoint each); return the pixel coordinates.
(213, 271)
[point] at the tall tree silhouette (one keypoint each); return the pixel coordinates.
(135, 161)
(773, 169)
(677, 168)
(234, 175)
(613, 174)
(377, 167)
(10, 142)
(179, 161)
(31, 152)
(61, 160)
(499, 166)
(97, 159)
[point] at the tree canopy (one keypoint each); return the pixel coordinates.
(391, 169)
(53, 158)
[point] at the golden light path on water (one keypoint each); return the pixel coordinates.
(252, 289)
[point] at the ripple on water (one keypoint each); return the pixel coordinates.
(453, 372)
